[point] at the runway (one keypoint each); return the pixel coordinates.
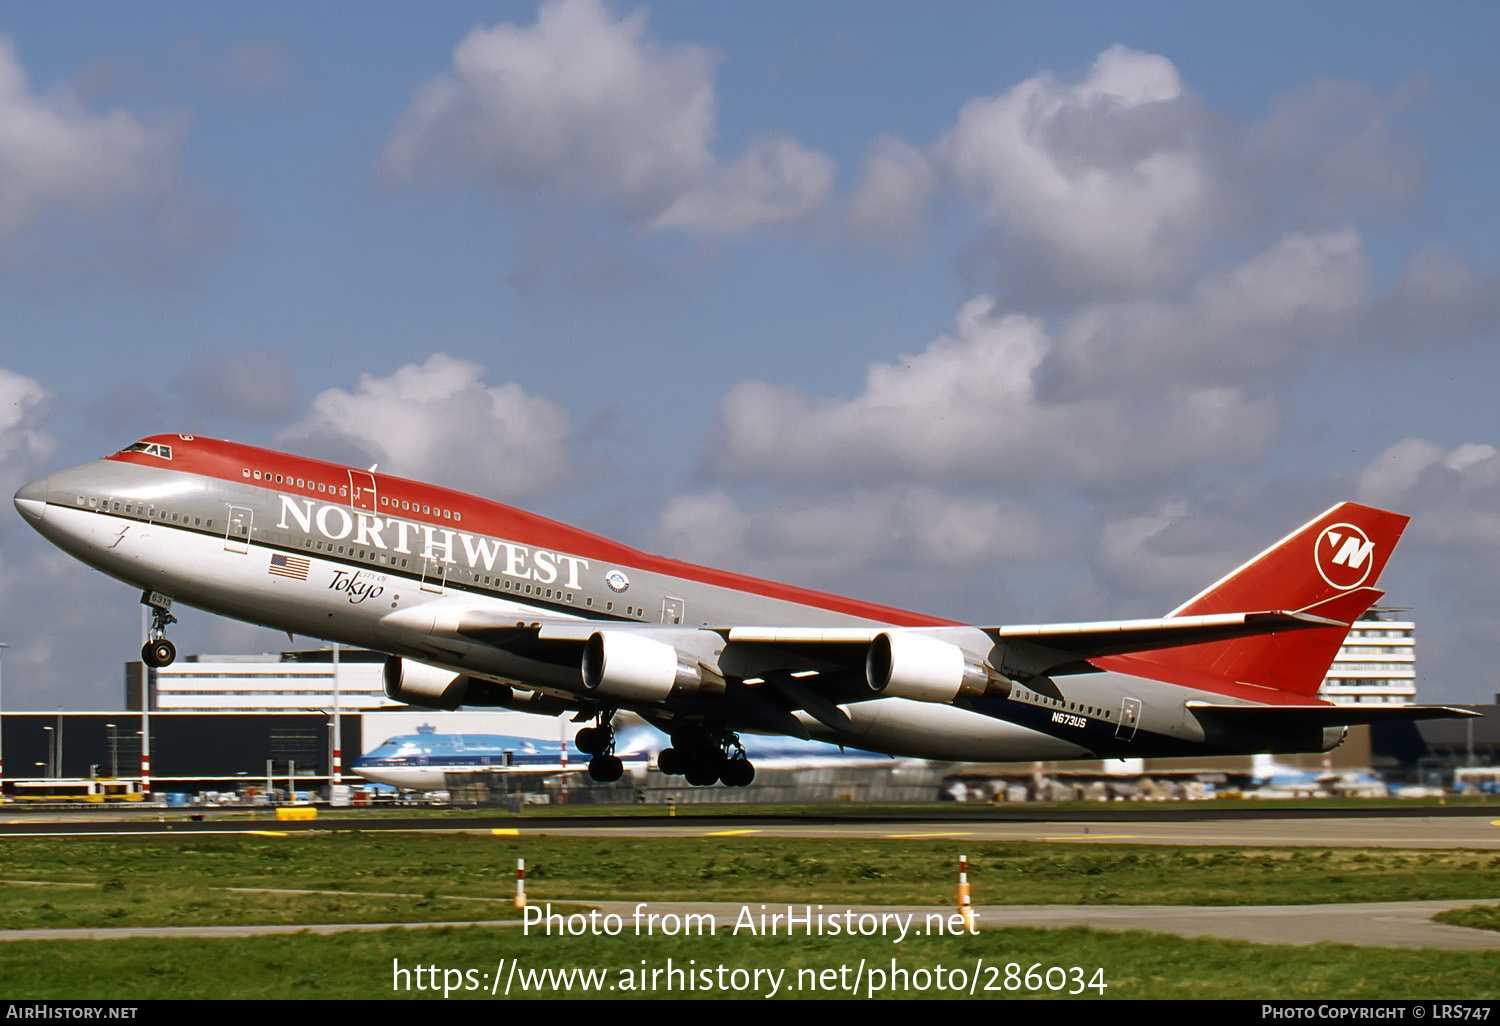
(1465, 827)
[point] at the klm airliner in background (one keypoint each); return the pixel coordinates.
(429, 761)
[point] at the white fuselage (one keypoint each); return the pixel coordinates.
(383, 580)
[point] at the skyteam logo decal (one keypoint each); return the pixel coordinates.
(617, 580)
(1345, 556)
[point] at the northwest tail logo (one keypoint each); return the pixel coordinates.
(1345, 555)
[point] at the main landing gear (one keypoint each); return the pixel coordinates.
(705, 758)
(158, 651)
(599, 742)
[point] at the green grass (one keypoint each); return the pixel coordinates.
(153, 903)
(168, 873)
(181, 880)
(362, 966)
(1481, 917)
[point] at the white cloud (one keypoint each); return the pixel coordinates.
(1325, 150)
(898, 185)
(1452, 495)
(1251, 321)
(898, 528)
(779, 181)
(590, 105)
(705, 527)
(1104, 172)
(439, 421)
(1170, 551)
(1120, 179)
(54, 153)
(24, 446)
(1438, 298)
(1448, 566)
(967, 408)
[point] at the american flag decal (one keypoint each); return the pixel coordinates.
(294, 567)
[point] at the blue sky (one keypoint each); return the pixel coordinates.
(1004, 312)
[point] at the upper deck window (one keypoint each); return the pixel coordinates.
(150, 449)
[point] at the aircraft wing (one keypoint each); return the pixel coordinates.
(1111, 637)
(753, 653)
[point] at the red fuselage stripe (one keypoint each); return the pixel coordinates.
(226, 461)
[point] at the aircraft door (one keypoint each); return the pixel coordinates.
(362, 491)
(672, 610)
(1130, 719)
(237, 535)
(434, 575)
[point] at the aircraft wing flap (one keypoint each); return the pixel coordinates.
(803, 635)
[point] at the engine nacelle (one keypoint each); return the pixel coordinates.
(623, 664)
(905, 665)
(420, 684)
(413, 683)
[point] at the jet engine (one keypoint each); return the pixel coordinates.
(905, 665)
(625, 665)
(413, 683)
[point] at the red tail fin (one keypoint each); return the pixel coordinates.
(1327, 567)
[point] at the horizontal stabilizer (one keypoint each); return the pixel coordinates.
(1268, 718)
(1121, 636)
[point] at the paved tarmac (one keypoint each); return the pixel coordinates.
(1185, 824)
(1472, 832)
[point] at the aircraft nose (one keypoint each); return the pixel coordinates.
(31, 501)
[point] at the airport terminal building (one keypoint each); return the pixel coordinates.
(1377, 663)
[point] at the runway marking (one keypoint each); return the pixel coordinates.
(951, 833)
(505, 832)
(730, 833)
(261, 833)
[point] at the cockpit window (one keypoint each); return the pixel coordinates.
(150, 449)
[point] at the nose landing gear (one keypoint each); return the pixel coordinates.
(158, 651)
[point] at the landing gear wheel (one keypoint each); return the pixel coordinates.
(606, 769)
(669, 761)
(703, 768)
(592, 741)
(158, 653)
(738, 773)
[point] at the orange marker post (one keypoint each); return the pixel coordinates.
(520, 883)
(965, 908)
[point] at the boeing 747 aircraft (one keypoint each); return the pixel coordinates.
(482, 604)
